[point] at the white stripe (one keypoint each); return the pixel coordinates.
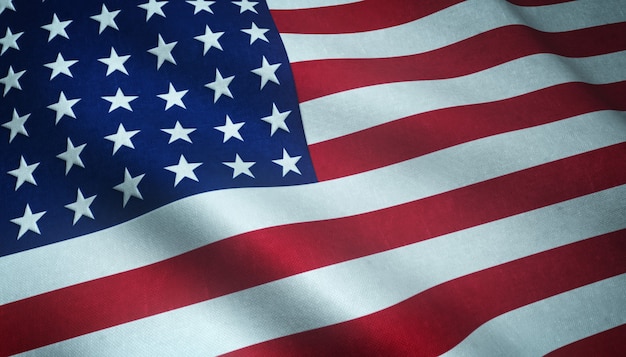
(452, 25)
(347, 112)
(544, 326)
(305, 4)
(216, 215)
(354, 288)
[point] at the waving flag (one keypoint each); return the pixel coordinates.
(314, 177)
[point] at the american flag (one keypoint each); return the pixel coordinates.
(313, 177)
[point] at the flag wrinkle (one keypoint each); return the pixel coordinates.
(205, 273)
(366, 283)
(577, 308)
(318, 78)
(462, 21)
(393, 142)
(429, 322)
(384, 103)
(465, 182)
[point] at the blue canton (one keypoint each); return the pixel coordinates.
(112, 109)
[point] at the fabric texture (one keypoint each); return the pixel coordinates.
(313, 177)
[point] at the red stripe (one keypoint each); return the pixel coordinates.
(395, 141)
(258, 257)
(608, 343)
(356, 17)
(436, 320)
(318, 78)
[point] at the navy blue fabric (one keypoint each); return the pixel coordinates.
(152, 152)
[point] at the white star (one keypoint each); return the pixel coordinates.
(106, 19)
(220, 86)
(9, 40)
(119, 100)
(201, 5)
(115, 62)
(267, 72)
(71, 156)
(210, 39)
(81, 206)
(28, 222)
(122, 138)
(240, 167)
(173, 97)
(153, 7)
(24, 173)
(246, 5)
(183, 169)
(130, 186)
(16, 125)
(64, 107)
(277, 120)
(256, 33)
(6, 4)
(288, 163)
(11, 80)
(178, 132)
(60, 66)
(56, 28)
(163, 52)
(230, 130)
